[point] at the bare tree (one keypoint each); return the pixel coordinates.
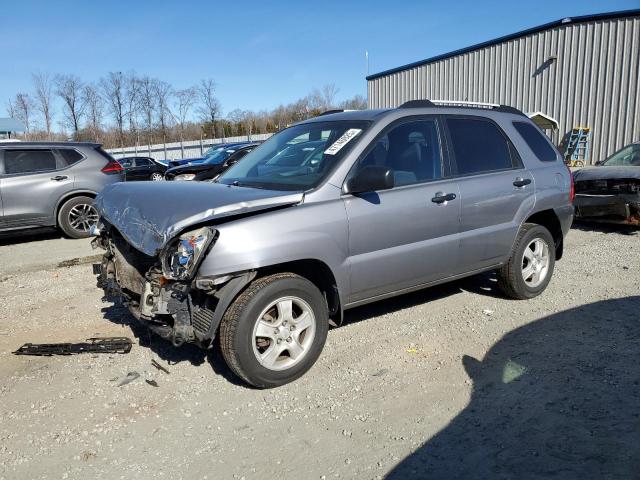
(94, 109)
(69, 88)
(22, 108)
(132, 98)
(329, 93)
(43, 84)
(113, 89)
(11, 108)
(163, 93)
(147, 102)
(356, 103)
(210, 106)
(185, 100)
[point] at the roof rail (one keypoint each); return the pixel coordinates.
(417, 104)
(329, 112)
(461, 103)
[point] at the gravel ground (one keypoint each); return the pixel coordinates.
(451, 382)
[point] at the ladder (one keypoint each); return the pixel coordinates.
(576, 153)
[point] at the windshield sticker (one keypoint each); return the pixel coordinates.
(342, 141)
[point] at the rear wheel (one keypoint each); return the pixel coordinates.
(76, 217)
(275, 330)
(528, 271)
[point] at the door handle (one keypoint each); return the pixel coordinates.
(521, 182)
(59, 178)
(443, 197)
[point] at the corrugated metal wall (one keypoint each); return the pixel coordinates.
(594, 81)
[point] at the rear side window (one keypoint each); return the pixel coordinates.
(28, 161)
(69, 156)
(536, 141)
(478, 146)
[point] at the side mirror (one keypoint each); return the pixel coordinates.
(370, 179)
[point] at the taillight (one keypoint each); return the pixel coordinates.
(112, 167)
(572, 187)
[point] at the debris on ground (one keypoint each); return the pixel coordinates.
(155, 364)
(92, 345)
(128, 378)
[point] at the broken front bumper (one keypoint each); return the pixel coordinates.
(619, 208)
(182, 312)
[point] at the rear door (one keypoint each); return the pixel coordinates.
(31, 184)
(404, 237)
(494, 186)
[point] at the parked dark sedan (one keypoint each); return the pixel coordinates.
(142, 168)
(213, 165)
(610, 191)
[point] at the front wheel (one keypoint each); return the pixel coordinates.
(528, 271)
(274, 331)
(156, 177)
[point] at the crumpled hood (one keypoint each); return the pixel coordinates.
(606, 173)
(150, 214)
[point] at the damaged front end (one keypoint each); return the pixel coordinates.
(608, 200)
(162, 291)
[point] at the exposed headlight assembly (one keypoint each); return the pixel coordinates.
(183, 254)
(185, 176)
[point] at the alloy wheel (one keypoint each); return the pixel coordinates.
(82, 217)
(283, 333)
(535, 262)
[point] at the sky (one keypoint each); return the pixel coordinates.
(261, 54)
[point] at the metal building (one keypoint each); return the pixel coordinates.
(579, 71)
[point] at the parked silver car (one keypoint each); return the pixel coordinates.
(53, 184)
(272, 253)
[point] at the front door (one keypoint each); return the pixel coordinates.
(408, 235)
(31, 186)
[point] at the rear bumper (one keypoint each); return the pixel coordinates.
(608, 208)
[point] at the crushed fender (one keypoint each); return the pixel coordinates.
(92, 345)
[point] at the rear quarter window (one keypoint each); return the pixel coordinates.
(69, 156)
(537, 141)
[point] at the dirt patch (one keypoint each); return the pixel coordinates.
(414, 386)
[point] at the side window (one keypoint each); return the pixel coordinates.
(142, 162)
(536, 141)
(478, 146)
(69, 156)
(28, 161)
(411, 150)
(125, 162)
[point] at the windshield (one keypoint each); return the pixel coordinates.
(628, 156)
(219, 156)
(298, 158)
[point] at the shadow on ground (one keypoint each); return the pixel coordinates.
(484, 284)
(16, 237)
(602, 227)
(558, 398)
(165, 350)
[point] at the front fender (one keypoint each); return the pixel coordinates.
(304, 232)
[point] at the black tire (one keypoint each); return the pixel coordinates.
(237, 328)
(64, 220)
(510, 276)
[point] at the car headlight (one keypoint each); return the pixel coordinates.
(183, 254)
(185, 176)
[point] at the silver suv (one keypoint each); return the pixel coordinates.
(331, 213)
(53, 184)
